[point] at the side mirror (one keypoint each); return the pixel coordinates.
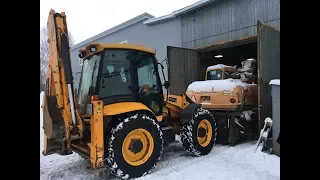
(166, 84)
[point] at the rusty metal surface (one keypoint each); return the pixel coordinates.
(269, 66)
(183, 68)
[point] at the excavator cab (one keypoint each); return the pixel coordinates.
(219, 72)
(120, 73)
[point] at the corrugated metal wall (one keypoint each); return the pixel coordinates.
(227, 20)
(183, 68)
(269, 63)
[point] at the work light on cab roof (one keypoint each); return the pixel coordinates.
(89, 50)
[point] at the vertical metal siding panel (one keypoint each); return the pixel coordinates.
(175, 66)
(198, 28)
(275, 118)
(269, 63)
(182, 63)
(190, 30)
(184, 29)
(191, 68)
(210, 24)
(270, 54)
(229, 20)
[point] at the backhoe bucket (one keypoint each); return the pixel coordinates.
(53, 126)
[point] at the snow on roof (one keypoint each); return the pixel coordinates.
(218, 66)
(217, 85)
(275, 82)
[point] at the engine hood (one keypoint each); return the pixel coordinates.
(215, 85)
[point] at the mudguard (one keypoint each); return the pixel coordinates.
(188, 112)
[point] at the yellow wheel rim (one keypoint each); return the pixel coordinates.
(204, 133)
(137, 147)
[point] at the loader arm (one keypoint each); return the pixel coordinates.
(61, 120)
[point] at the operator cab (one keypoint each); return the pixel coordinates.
(119, 73)
(219, 72)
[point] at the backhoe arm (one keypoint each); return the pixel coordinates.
(62, 122)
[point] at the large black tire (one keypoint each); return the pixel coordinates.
(189, 133)
(115, 160)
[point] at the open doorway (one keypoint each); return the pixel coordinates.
(239, 56)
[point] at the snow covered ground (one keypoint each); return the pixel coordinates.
(223, 163)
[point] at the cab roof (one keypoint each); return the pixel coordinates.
(100, 47)
(220, 66)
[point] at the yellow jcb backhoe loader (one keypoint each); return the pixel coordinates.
(120, 119)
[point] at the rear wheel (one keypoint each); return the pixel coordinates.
(134, 146)
(198, 136)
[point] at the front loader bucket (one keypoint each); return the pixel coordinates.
(53, 125)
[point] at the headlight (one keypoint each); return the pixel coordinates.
(82, 54)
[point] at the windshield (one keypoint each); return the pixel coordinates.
(228, 74)
(214, 75)
(88, 80)
(115, 75)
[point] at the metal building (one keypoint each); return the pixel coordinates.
(203, 25)
(223, 20)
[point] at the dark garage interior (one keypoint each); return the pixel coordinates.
(230, 55)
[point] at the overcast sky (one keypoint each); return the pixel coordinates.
(87, 18)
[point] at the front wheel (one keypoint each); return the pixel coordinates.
(134, 146)
(198, 136)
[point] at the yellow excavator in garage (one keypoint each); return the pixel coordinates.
(231, 96)
(120, 118)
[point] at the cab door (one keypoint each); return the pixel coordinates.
(148, 80)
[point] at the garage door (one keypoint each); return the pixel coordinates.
(269, 66)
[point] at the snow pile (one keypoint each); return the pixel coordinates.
(218, 66)
(275, 82)
(222, 163)
(216, 85)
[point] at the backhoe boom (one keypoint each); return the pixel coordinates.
(63, 123)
